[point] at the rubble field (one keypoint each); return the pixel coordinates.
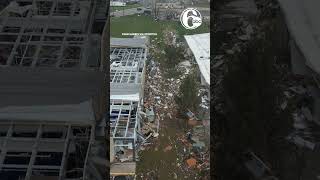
(173, 147)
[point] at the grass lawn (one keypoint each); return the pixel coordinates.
(125, 7)
(146, 24)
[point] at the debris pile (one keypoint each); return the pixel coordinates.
(235, 28)
(302, 102)
(188, 143)
(300, 97)
(158, 104)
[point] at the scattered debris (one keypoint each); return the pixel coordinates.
(298, 90)
(168, 148)
(256, 166)
(175, 176)
(284, 105)
(191, 162)
(299, 141)
(162, 111)
(150, 114)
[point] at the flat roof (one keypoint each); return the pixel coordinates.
(200, 47)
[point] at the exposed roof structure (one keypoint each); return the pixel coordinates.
(123, 125)
(53, 34)
(123, 118)
(127, 68)
(51, 83)
(302, 19)
(41, 151)
(200, 47)
(45, 59)
(127, 61)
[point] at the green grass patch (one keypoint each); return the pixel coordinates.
(146, 24)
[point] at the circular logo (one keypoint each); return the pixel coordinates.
(191, 18)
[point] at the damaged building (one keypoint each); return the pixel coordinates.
(303, 28)
(127, 73)
(199, 46)
(52, 84)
